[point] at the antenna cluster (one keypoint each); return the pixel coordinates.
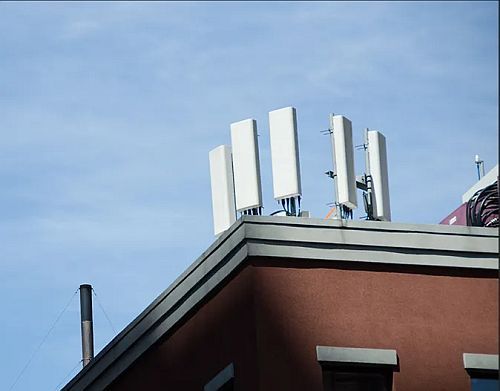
(374, 182)
(235, 171)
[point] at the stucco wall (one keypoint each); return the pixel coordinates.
(220, 332)
(429, 319)
(269, 318)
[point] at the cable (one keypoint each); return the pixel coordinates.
(104, 312)
(69, 373)
(482, 207)
(292, 206)
(43, 341)
(488, 209)
(330, 212)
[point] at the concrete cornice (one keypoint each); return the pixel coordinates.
(410, 245)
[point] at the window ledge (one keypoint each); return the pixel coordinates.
(330, 354)
(480, 362)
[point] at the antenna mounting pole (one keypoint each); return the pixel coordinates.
(368, 179)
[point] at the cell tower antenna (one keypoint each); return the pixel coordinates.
(222, 185)
(343, 174)
(246, 167)
(285, 159)
(378, 178)
(332, 174)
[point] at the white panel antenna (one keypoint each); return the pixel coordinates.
(377, 159)
(246, 167)
(341, 128)
(285, 158)
(221, 180)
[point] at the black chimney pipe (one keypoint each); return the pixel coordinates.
(87, 323)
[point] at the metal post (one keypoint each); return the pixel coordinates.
(87, 326)
(368, 177)
(336, 214)
(479, 166)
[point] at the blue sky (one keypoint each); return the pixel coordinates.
(108, 111)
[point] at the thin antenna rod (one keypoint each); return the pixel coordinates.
(87, 323)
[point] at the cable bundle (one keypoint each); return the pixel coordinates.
(482, 208)
(345, 212)
(291, 206)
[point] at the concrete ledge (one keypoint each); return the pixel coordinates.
(330, 354)
(480, 362)
(220, 379)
